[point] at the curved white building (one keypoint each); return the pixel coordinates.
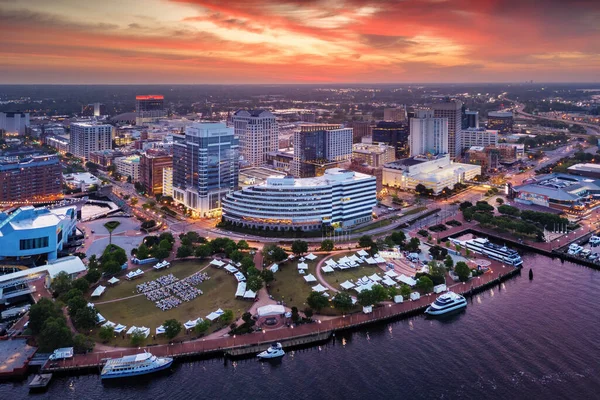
(340, 198)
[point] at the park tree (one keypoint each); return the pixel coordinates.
(111, 267)
(254, 283)
(142, 252)
(137, 338)
(61, 283)
(92, 276)
(437, 252)
(82, 343)
(308, 312)
(499, 200)
(203, 251)
(42, 311)
(85, 317)
(75, 304)
(317, 301)
(413, 244)
(202, 327)
(405, 291)
(172, 328)
(392, 292)
(425, 284)
(226, 317)
(243, 245)
(365, 241)
(365, 298)
(449, 262)
(81, 284)
(465, 204)
(166, 245)
(398, 237)
(327, 245)
(184, 251)
(160, 253)
(54, 334)
(342, 301)
(295, 315)
(134, 201)
(93, 262)
(462, 270)
(106, 333)
(246, 263)
(267, 275)
(236, 256)
(299, 247)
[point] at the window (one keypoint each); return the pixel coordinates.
(36, 243)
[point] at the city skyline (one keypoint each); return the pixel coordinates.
(292, 41)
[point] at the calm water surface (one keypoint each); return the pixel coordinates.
(526, 339)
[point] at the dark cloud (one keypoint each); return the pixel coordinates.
(33, 18)
(386, 42)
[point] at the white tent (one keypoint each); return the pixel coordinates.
(319, 288)
(274, 268)
(98, 291)
(362, 253)
(134, 274)
(120, 328)
(132, 329)
(160, 330)
(354, 258)
(327, 268)
(311, 257)
(99, 318)
(366, 286)
(347, 285)
(239, 276)
(270, 309)
(387, 281)
(406, 279)
(241, 289)
(113, 280)
(310, 278)
(302, 265)
(301, 259)
(250, 294)
(144, 331)
(217, 263)
(231, 268)
(375, 278)
(192, 323)
(214, 315)
(371, 260)
(379, 259)
(344, 260)
(391, 273)
(331, 263)
(109, 324)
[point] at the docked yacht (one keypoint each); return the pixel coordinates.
(574, 249)
(494, 251)
(446, 303)
(138, 364)
(595, 240)
(275, 351)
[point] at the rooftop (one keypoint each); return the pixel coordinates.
(585, 167)
(82, 177)
(70, 265)
(331, 176)
(500, 114)
(29, 217)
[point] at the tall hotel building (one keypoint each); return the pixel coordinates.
(340, 198)
(452, 111)
(31, 179)
(428, 135)
(87, 137)
(149, 108)
(318, 147)
(259, 135)
(205, 166)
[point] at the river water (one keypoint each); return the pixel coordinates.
(523, 340)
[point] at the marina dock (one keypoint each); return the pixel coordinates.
(40, 382)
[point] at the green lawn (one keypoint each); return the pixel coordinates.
(337, 277)
(290, 287)
(219, 292)
(374, 225)
(125, 288)
(111, 225)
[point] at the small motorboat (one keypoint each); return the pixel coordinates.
(275, 351)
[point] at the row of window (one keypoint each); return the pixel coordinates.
(35, 243)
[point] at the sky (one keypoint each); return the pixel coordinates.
(298, 41)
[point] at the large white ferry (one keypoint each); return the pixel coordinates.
(446, 303)
(139, 364)
(493, 251)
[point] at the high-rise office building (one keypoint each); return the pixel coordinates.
(471, 120)
(452, 111)
(88, 136)
(360, 129)
(480, 137)
(428, 134)
(14, 123)
(315, 150)
(129, 167)
(152, 164)
(394, 114)
(205, 166)
(502, 121)
(259, 135)
(149, 108)
(393, 134)
(31, 179)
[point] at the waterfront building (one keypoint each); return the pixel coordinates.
(500, 121)
(428, 134)
(339, 198)
(565, 192)
(317, 148)
(393, 134)
(480, 137)
(452, 111)
(258, 134)
(397, 114)
(149, 108)
(205, 166)
(129, 167)
(87, 137)
(152, 164)
(433, 172)
(167, 184)
(31, 232)
(31, 179)
(14, 123)
(14, 286)
(471, 120)
(374, 155)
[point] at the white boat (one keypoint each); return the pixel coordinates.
(595, 240)
(446, 303)
(574, 249)
(274, 351)
(494, 251)
(138, 364)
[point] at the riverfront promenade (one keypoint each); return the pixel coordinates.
(218, 346)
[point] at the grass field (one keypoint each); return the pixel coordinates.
(219, 292)
(290, 287)
(337, 277)
(111, 225)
